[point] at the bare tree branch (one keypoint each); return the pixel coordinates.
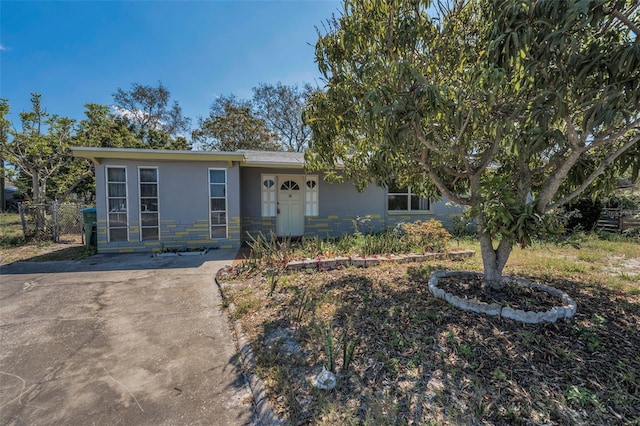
(594, 175)
(623, 18)
(424, 141)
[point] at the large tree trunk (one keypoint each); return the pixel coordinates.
(35, 187)
(38, 198)
(493, 259)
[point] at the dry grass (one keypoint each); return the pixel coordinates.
(14, 247)
(418, 360)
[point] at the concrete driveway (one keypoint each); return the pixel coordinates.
(118, 339)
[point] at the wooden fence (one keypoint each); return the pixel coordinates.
(618, 220)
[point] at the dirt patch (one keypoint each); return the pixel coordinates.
(626, 266)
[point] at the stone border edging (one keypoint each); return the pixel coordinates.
(265, 413)
(567, 310)
(366, 261)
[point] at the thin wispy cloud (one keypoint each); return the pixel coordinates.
(2, 47)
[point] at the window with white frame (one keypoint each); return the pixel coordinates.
(149, 211)
(117, 216)
(269, 203)
(402, 199)
(311, 196)
(218, 203)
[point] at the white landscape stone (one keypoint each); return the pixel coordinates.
(326, 380)
(492, 309)
(567, 310)
(547, 316)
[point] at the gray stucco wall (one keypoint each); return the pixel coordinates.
(183, 206)
(339, 205)
(334, 199)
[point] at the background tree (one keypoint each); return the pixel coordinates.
(101, 128)
(231, 125)
(40, 149)
(281, 106)
(4, 132)
(513, 108)
(156, 122)
(104, 129)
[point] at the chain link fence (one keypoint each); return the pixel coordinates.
(57, 222)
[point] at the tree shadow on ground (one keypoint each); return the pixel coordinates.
(419, 359)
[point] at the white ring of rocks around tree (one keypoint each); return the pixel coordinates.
(567, 310)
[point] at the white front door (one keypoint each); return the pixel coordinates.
(290, 218)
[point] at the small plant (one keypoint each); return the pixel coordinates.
(451, 338)
(626, 376)
(589, 337)
(252, 264)
(499, 375)
(311, 246)
(303, 303)
(272, 278)
(599, 320)
(327, 342)
(348, 346)
(581, 396)
(345, 344)
(530, 338)
(465, 351)
(564, 354)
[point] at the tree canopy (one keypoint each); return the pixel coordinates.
(281, 106)
(101, 128)
(40, 149)
(513, 108)
(37, 156)
(4, 134)
(232, 125)
(157, 123)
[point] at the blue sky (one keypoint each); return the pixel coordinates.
(78, 52)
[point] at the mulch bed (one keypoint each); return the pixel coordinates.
(511, 294)
(420, 360)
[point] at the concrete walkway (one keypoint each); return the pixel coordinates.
(118, 340)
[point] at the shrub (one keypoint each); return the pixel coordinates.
(622, 201)
(427, 236)
(583, 214)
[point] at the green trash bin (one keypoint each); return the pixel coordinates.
(89, 218)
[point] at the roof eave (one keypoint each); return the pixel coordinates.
(98, 154)
(273, 165)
